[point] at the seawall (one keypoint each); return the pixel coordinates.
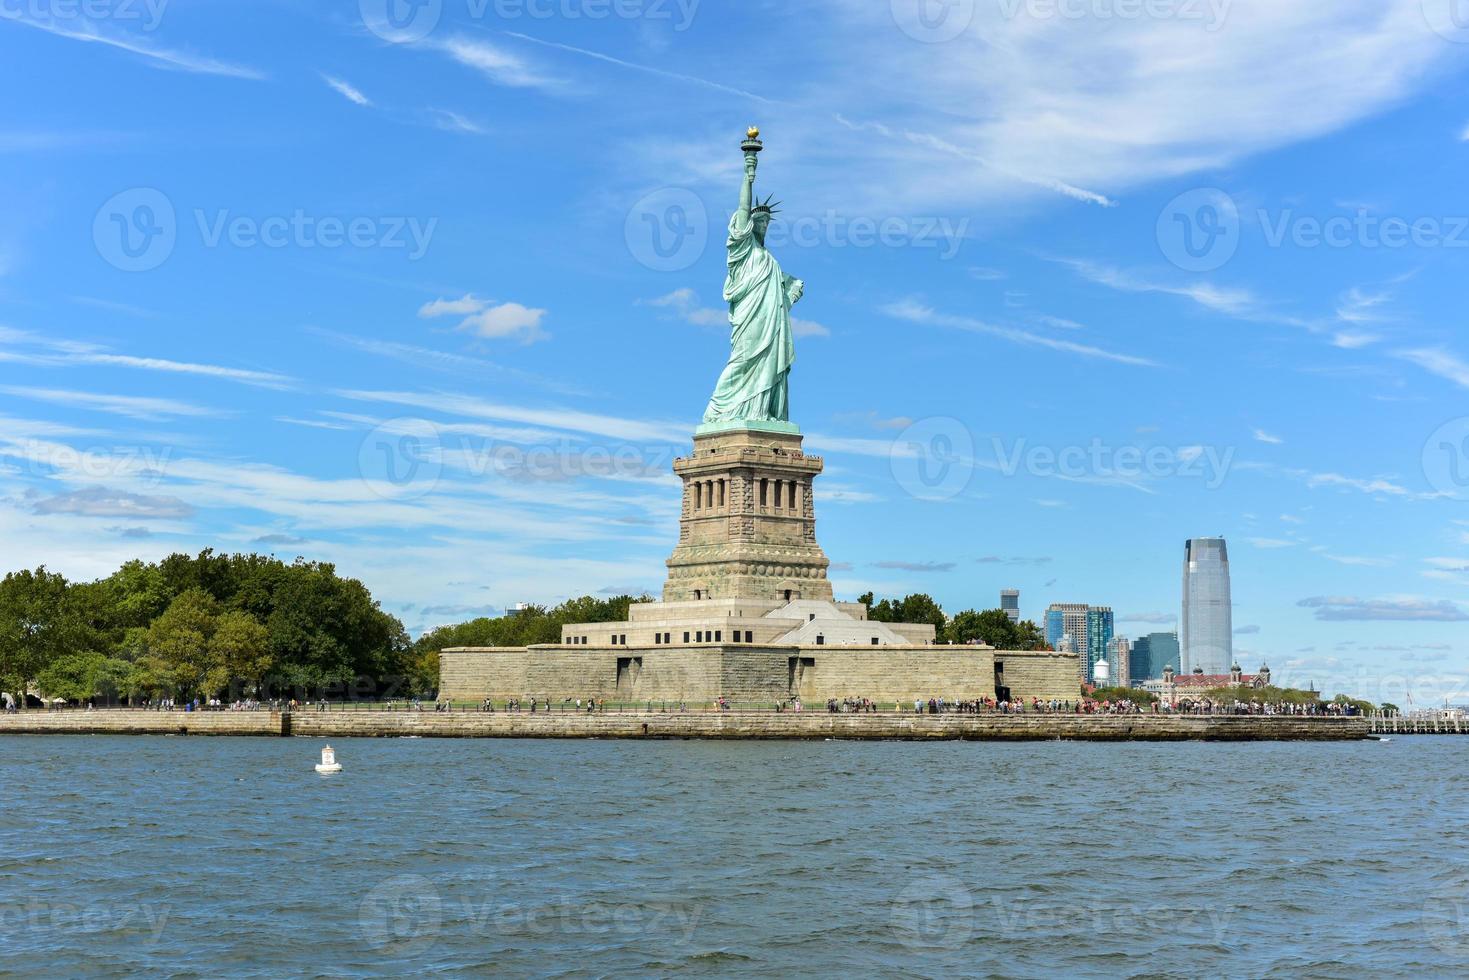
(692, 724)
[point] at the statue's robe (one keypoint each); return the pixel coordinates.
(753, 385)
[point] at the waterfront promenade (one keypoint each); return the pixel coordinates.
(711, 724)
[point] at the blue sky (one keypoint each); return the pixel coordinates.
(432, 291)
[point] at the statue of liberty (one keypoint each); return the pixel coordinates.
(753, 386)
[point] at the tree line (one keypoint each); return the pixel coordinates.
(209, 625)
(235, 626)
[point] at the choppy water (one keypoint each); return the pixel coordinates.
(219, 856)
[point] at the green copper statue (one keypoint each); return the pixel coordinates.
(753, 386)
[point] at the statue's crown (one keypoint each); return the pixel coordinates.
(766, 206)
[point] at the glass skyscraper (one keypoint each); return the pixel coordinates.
(1150, 654)
(1206, 634)
(1098, 636)
(1090, 629)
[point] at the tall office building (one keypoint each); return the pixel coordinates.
(1205, 632)
(1119, 652)
(1010, 603)
(1150, 654)
(1089, 627)
(1098, 638)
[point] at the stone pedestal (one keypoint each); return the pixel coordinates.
(748, 527)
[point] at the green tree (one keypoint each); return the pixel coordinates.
(178, 660)
(238, 651)
(81, 677)
(39, 622)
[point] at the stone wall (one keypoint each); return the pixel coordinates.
(690, 724)
(137, 721)
(750, 672)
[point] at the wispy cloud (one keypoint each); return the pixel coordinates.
(157, 56)
(555, 418)
(132, 406)
(497, 64)
(346, 90)
(1351, 608)
(1262, 436)
(915, 312)
(1441, 362)
(915, 566)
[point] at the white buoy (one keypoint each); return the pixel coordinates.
(328, 761)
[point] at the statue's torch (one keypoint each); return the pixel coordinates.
(752, 142)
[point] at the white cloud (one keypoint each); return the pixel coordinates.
(1262, 436)
(346, 90)
(808, 328)
(1094, 103)
(1271, 542)
(491, 320)
(495, 63)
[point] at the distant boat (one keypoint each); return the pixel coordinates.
(328, 761)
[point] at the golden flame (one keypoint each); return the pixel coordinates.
(753, 132)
